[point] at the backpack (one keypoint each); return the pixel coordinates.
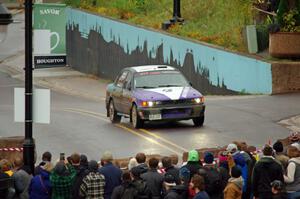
(213, 180)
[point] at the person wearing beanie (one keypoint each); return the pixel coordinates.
(93, 183)
(215, 177)
(265, 171)
(62, 179)
(235, 184)
(193, 163)
(174, 191)
(279, 155)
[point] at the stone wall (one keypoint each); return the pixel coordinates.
(285, 77)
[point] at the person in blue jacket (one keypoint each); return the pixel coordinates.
(40, 186)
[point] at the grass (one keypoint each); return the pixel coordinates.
(218, 22)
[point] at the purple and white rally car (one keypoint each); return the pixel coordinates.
(153, 92)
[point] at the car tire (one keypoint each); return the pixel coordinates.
(113, 114)
(198, 121)
(136, 121)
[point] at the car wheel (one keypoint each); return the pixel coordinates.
(113, 114)
(135, 118)
(198, 121)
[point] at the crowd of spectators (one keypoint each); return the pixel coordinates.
(234, 173)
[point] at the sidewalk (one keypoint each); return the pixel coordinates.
(67, 80)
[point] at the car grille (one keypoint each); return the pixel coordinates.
(176, 102)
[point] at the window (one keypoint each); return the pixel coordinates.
(121, 79)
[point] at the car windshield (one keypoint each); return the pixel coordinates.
(159, 79)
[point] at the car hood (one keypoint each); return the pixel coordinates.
(166, 93)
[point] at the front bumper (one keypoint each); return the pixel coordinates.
(171, 113)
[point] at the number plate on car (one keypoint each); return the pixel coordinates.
(155, 117)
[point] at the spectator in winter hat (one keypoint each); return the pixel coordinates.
(93, 183)
(62, 178)
(208, 158)
(6, 190)
(174, 191)
(223, 160)
(235, 184)
(193, 164)
(279, 155)
(278, 190)
(210, 168)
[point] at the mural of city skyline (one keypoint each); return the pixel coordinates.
(108, 46)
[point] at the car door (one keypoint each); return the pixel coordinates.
(118, 90)
(127, 94)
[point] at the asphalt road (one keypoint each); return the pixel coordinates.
(80, 125)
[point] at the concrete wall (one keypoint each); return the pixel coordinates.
(103, 46)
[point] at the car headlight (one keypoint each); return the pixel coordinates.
(199, 100)
(149, 103)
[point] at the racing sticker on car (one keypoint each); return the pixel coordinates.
(173, 93)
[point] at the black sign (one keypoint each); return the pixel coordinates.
(48, 61)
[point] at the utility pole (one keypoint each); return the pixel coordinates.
(28, 146)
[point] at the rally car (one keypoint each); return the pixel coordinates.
(153, 92)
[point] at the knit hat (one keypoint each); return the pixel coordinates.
(193, 156)
(83, 159)
(136, 171)
(93, 165)
(208, 157)
(231, 147)
(278, 146)
(277, 185)
(169, 180)
(236, 172)
(60, 168)
(107, 156)
(184, 174)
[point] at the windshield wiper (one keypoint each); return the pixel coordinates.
(145, 87)
(170, 85)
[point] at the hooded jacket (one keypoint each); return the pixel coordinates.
(234, 188)
(265, 171)
(40, 187)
